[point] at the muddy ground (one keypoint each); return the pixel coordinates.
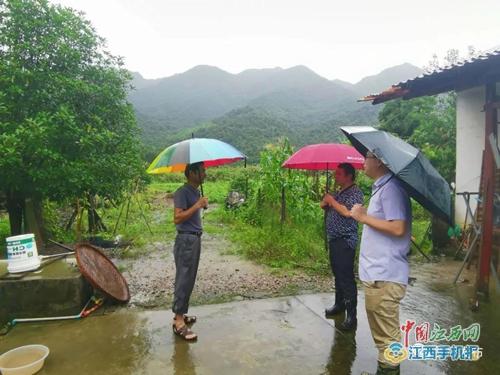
(221, 276)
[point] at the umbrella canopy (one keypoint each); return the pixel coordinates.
(211, 152)
(324, 156)
(420, 179)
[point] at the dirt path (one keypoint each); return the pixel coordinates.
(221, 277)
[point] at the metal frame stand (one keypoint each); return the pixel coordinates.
(475, 227)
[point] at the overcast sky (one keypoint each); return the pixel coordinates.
(342, 39)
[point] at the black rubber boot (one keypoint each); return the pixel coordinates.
(338, 307)
(351, 320)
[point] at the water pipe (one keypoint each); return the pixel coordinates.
(56, 255)
(83, 314)
(68, 317)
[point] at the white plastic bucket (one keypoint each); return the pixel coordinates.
(22, 254)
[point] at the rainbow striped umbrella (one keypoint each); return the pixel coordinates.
(211, 152)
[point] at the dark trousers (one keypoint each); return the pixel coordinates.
(187, 257)
(342, 264)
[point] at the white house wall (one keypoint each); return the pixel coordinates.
(470, 146)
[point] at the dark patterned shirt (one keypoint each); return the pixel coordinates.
(338, 226)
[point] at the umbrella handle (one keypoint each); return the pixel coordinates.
(201, 190)
(201, 183)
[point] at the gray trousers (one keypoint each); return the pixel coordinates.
(187, 257)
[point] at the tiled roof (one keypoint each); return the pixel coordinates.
(460, 75)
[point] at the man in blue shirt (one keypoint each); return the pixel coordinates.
(342, 233)
(188, 203)
(383, 262)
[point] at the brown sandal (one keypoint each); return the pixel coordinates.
(189, 319)
(183, 332)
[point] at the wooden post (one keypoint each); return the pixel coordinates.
(143, 215)
(119, 217)
(487, 194)
(283, 207)
(79, 219)
(246, 181)
(316, 185)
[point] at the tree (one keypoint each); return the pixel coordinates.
(66, 129)
(436, 136)
(402, 117)
(428, 123)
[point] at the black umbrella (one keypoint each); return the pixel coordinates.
(420, 179)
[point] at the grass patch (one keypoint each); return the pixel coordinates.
(294, 247)
(288, 248)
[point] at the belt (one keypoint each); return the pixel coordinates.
(187, 232)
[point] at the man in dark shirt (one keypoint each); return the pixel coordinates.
(342, 232)
(188, 204)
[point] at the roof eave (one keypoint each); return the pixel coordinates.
(461, 76)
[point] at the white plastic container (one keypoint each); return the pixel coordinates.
(22, 254)
(25, 360)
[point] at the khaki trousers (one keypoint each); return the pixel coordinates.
(382, 308)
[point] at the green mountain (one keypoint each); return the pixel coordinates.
(254, 107)
(379, 82)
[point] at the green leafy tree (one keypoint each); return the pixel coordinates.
(436, 136)
(402, 117)
(428, 123)
(66, 129)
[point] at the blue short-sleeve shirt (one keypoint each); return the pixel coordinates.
(384, 257)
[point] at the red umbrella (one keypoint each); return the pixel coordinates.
(325, 157)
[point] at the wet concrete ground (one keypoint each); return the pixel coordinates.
(286, 335)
